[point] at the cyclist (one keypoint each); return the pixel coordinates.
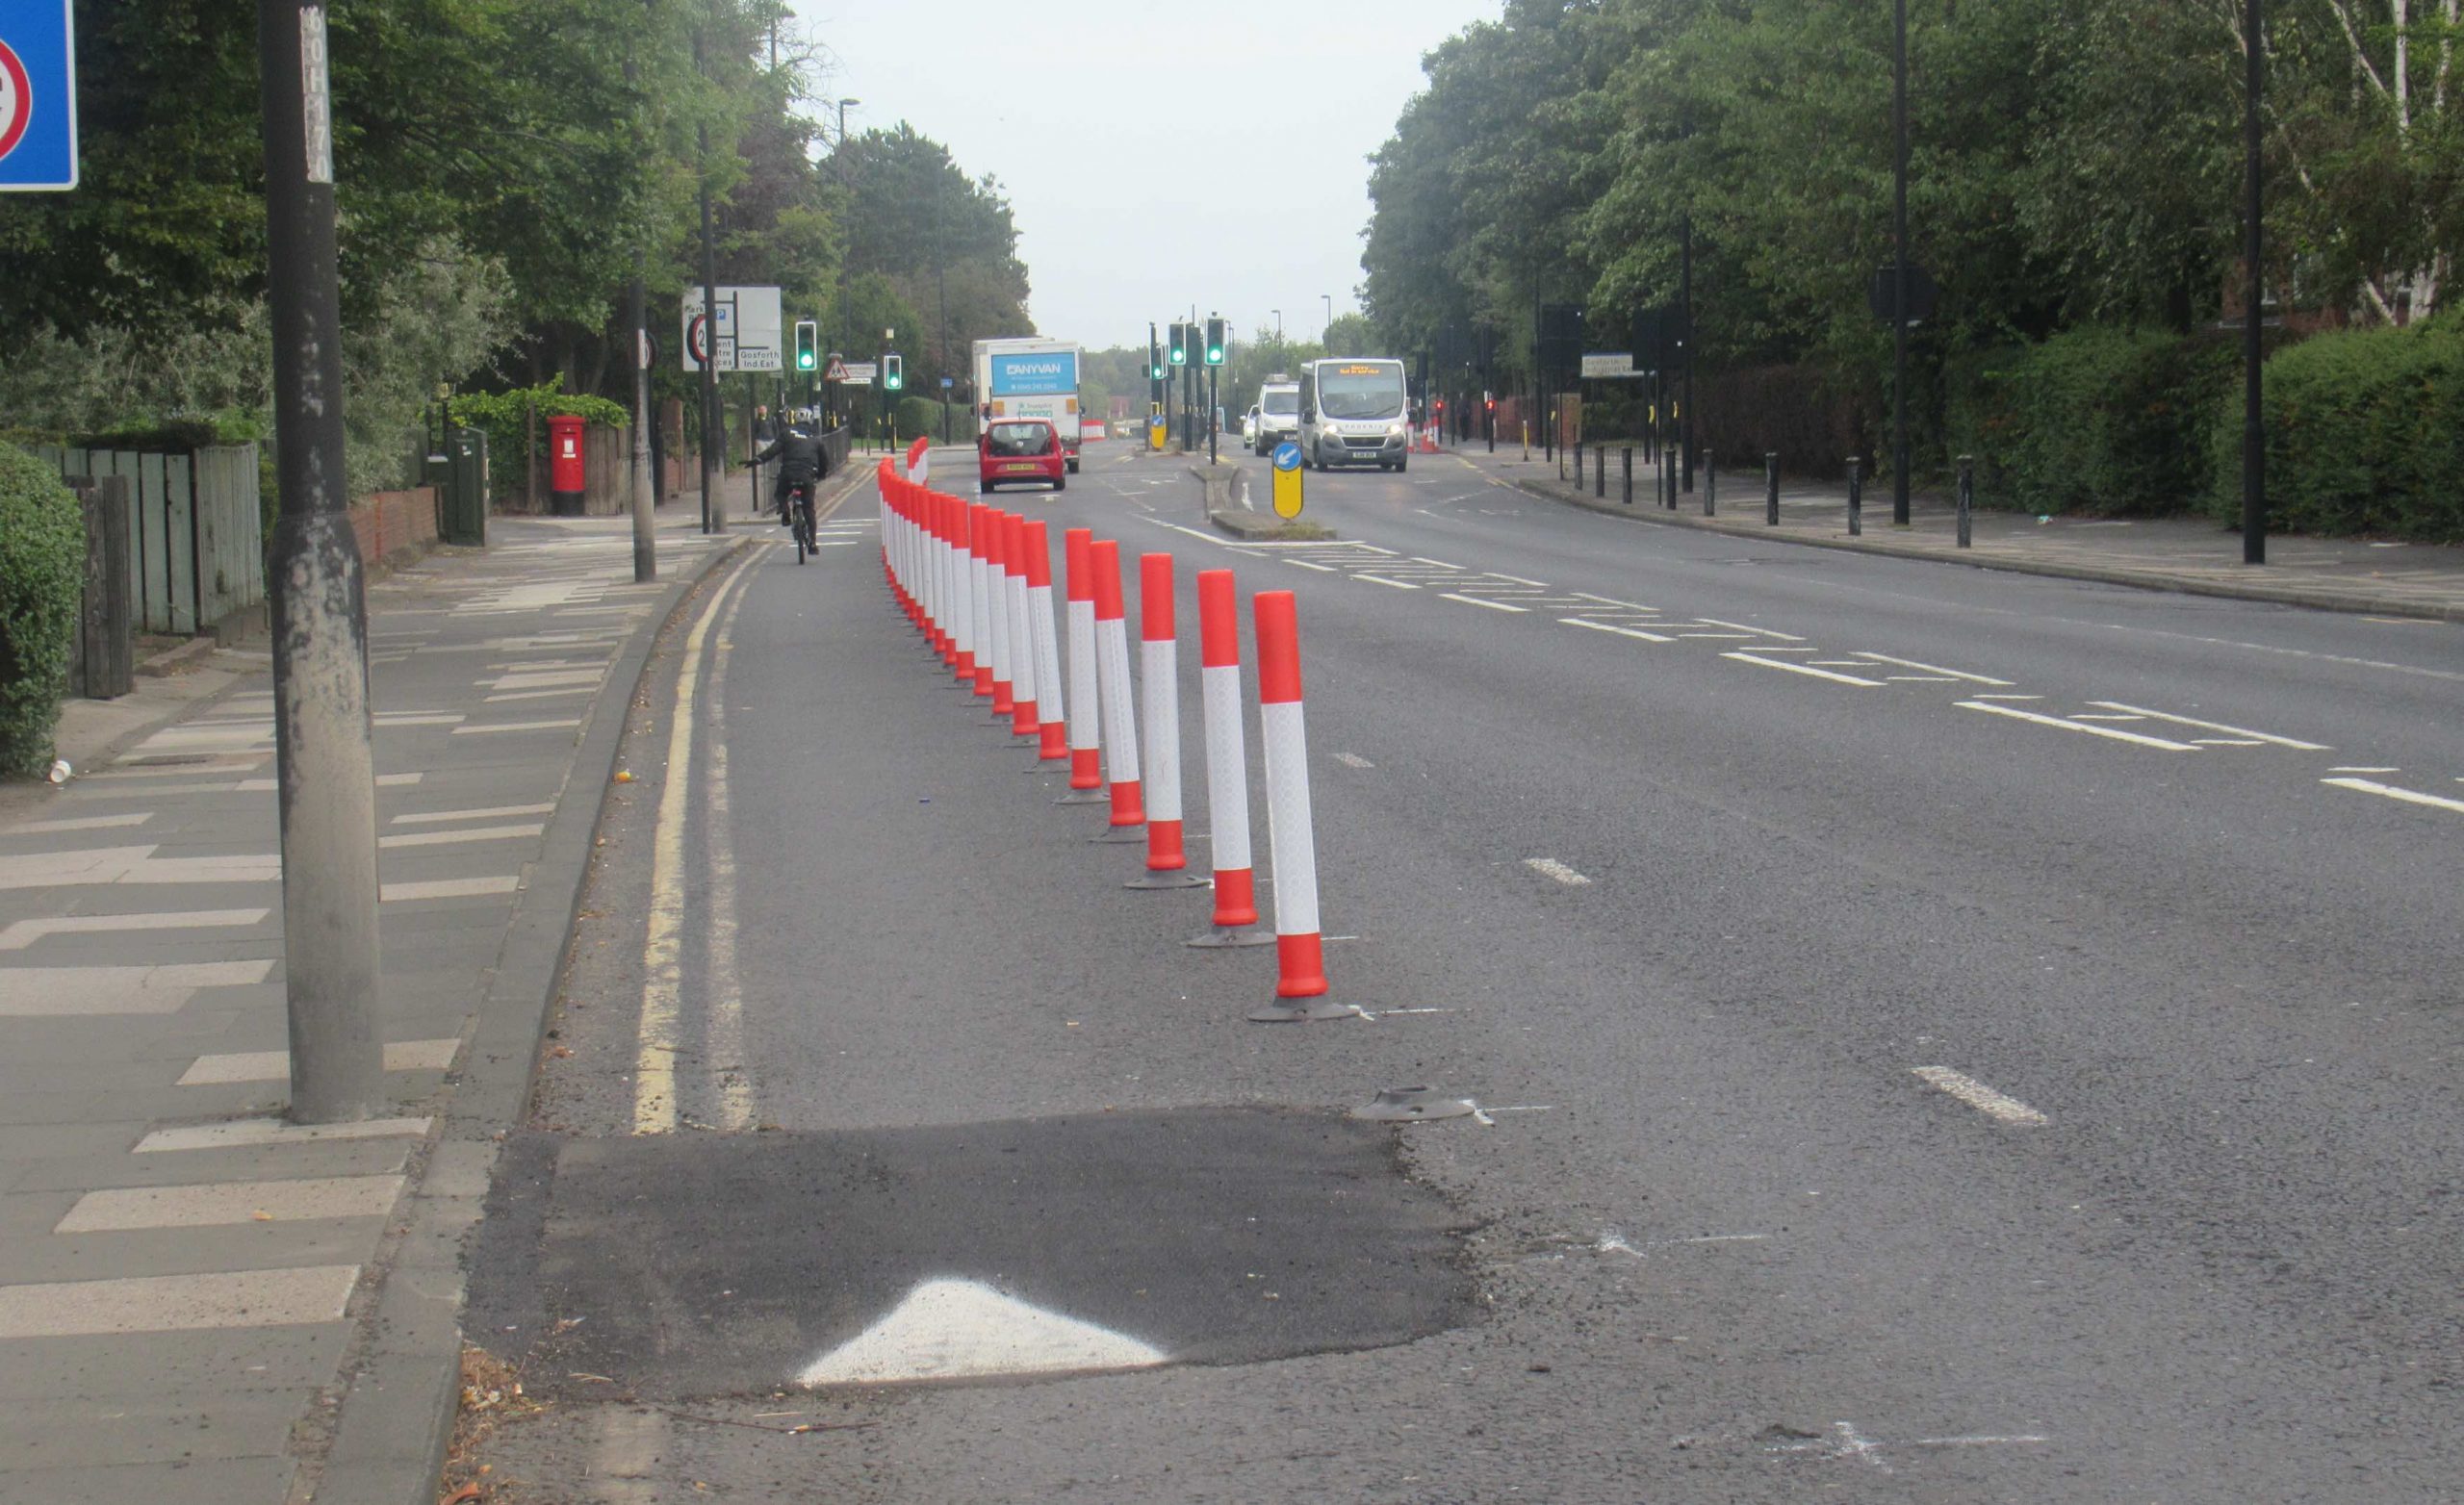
(801, 462)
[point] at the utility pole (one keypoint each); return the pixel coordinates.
(1899, 265)
(325, 761)
(1685, 349)
(713, 505)
(644, 492)
(2255, 434)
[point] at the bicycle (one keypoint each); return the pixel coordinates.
(807, 539)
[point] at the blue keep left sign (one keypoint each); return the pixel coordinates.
(1287, 456)
(37, 97)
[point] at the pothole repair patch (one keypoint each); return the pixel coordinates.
(702, 1265)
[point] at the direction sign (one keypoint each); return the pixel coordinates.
(38, 98)
(1608, 364)
(748, 332)
(860, 370)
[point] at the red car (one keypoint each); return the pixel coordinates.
(1020, 450)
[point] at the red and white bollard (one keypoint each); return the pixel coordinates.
(1112, 684)
(1300, 986)
(919, 456)
(1159, 670)
(1085, 778)
(933, 547)
(997, 584)
(1228, 766)
(978, 572)
(961, 602)
(1022, 638)
(1051, 705)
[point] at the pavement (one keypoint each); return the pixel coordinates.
(2186, 555)
(199, 1301)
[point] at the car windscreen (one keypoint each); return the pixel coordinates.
(1020, 439)
(1362, 391)
(1286, 401)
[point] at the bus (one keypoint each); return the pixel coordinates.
(1354, 411)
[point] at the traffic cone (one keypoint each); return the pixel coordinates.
(1301, 987)
(1228, 766)
(1112, 683)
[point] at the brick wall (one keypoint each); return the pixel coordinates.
(391, 522)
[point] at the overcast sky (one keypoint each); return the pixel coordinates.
(1119, 222)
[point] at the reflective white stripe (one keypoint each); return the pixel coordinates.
(970, 620)
(1291, 846)
(1051, 703)
(996, 601)
(1227, 772)
(950, 613)
(1163, 729)
(1121, 722)
(1022, 654)
(1083, 720)
(980, 603)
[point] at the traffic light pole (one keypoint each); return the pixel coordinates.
(1210, 415)
(325, 764)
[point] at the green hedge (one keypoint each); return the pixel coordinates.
(505, 417)
(43, 579)
(2094, 420)
(2365, 434)
(922, 416)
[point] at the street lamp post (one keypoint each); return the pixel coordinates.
(1329, 299)
(1278, 328)
(846, 332)
(1899, 265)
(2254, 446)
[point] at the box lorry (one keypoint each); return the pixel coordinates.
(1029, 378)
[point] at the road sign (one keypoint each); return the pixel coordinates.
(1287, 479)
(749, 336)
(1608, 364)
(838, 371)
(947, 382)
(864, 371)
(38, 98)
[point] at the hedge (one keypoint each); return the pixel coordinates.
(921, 417)
(506, 416)
(42, 579)
(2365, 435)
(2095, 419)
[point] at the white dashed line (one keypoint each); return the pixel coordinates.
(1380, 579)
(2213, 726)
(1760, 632)
(1977, 1095)
(1353, 760)
(1552, 867)
(1623, 632)
(2017, 714)
(1440, 563)
(1520, 580)
(1931, 669)
(1307, 565)
(2392, 792)
(1802, 669)
(1474, 600)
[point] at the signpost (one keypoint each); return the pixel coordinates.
(1287, 479)
(1608, 366)
(749, 335)
(38, 98)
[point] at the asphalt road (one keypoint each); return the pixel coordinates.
(1946, 1036)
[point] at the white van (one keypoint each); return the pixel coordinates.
(1352, 412)
(1278, 414)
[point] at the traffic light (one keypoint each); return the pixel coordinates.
(893, 373)
(808, 345)
(1214, 341)
(1180, 344)
(1154, 360)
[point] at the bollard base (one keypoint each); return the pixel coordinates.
(1301, 1011)
(1167, 879)
(1223, 936)
(1122, 835)
(1080, 796)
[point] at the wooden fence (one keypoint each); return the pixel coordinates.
(196, 531)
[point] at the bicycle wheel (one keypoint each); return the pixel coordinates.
(804, 532)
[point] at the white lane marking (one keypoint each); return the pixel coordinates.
(92, 992)
(1760, 632)
(1474, 600)
(177, 1303)
(276, 1065)
(82, 822)
(2213, 726)
(1388, 552)
(2356, 768)
(448, 888)
(655, 1104)
(2392, 792)
(2017, 714)
(1838, 663)
(1310, 564)
(492, 812)
(416, 718)
(18, 935)
(724, 1058)
(1552, 867)
(1931, 669)
(543, 695)
(2005, 696)
(1211, 538)
(447, 838)
(1380, 579)
(1802, 669)
(1624, 633)
(242, 1133)
(1440, 563)
(1611, 600)
(1977, 1095)
(2094, 715)
(1481, 1114)
(1916, 679)
(2229, 741)
(1725, 637)
(1353, 760)
(1499, 574)
(961, 1329)
(516, 726)
(218, 1202)
(1976, 1442)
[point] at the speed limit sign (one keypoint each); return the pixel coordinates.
(38, 98)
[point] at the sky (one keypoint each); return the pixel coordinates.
(1093, 115)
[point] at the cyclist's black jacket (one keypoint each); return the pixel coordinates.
(800, 457)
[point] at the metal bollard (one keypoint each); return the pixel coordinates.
(1771, 486)
(1710, 485)
(1629, 474)
(1856, 496)
(1578, 450)
(1967, 495)
(1599, 471)
(1668, 471)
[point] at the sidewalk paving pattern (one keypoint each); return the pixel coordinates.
(180, 1266)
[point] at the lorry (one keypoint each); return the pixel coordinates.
(1029, 377)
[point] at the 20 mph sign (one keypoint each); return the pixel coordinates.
(38, 98)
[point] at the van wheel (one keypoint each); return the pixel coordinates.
(1060, 483)
(1074, 466)
(1400, 464)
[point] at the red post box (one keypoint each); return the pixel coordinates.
(564, 464)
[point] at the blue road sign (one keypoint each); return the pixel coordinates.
(38, 98)
(1286, 455)
(947, 382)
